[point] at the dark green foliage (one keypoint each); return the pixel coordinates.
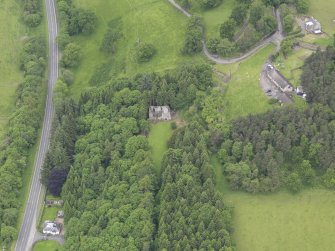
(262, 150)
(144, 52)
(302, 6)
(32, 12)
(193, 39)
(71, 56)
(21, 135)
(208, 4)
(192, 214)
(56, 180)
(81, 22)
(239, 13)
(227, 29)
(318, 78)
(111, 187)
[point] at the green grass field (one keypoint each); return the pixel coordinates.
(280, 221)
(158, 137)
(150, 21)
(243, 95)
(324, 12)
(46, 246)
(12, 35)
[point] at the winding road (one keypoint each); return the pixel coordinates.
(275, 38)
(27, 234)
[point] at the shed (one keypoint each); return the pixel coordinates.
(159, 113)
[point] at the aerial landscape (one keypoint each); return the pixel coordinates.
(167, 125)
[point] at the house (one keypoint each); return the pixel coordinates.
(51, 228)
(159, 113)
(60, 214)
(278, 79)
(313, 26)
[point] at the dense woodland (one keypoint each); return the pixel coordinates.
(22, 134)
(110, 195)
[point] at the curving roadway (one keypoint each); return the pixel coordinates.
(275, 38)
(31, 215)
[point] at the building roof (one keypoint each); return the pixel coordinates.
(159, 113)
(50, 227)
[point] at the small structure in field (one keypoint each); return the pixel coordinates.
(278, 79)
(300, 92)
(51, 228)
(159, 113)
(312, 25)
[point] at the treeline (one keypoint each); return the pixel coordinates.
(111, 187)
(318, 77)
(59, 157)
(32, 12)
(21, 136)
(192, 215)
(284, 147)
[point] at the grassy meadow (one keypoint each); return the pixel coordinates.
(12, 36)
(158, 138)
(243, 94)
(149, 21)
(280, 221)
(46, 246)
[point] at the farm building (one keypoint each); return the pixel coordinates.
(312, 25)
(278, 79)
(159, 113)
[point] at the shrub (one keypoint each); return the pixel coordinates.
(144, 52)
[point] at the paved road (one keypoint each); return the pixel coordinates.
(28, 229)
(276, 38)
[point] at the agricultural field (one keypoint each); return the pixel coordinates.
(12, 35)
(280, 221)
(243, 94)
(158, 138)
(46, 246)
(155, 22)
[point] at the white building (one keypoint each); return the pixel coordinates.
(159, 113)
(51, 228)
(313, 26)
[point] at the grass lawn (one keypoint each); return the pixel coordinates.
(159, 135)
(243, 95)
(281, 221)
(46, 246)
(289, 66)
(150, 21)
(11, 33)
(324, 12)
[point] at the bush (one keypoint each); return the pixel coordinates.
(71, 55)
(193, 37)
(144, 52)
(68, 77)
(173, 125)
